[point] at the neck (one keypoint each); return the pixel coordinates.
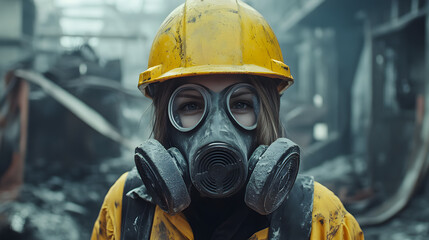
(206, 214)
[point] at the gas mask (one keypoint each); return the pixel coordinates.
(213, 135)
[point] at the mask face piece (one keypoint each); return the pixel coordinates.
(212, 134)
(215, 133)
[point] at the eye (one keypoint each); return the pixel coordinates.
(190, 108)
(187, 107)
(241, 106)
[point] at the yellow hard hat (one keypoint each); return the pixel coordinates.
(203, 37)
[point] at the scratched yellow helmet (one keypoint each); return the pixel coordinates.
(214, 37)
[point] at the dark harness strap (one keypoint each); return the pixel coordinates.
(294, 217)
(137, 214)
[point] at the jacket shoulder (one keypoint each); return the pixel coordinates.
(108, 223)
(330, 220)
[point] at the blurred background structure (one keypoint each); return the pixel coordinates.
(70, 111)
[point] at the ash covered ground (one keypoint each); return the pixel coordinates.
(410, 224)
(59, 204)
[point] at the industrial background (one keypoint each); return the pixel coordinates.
(70, 111)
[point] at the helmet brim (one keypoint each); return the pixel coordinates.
(248, 69)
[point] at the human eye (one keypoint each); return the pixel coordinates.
(241, 105)
(242, 102)
(190, 108)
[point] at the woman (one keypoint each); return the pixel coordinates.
(218, 167)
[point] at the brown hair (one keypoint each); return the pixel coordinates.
(269, 127)
(267, 130)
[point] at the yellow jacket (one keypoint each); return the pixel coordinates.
(330, 220)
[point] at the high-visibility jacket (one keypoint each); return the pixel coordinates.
(310, 212)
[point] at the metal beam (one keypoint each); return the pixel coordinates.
(105, 36)
(397, 23)
(296, 16)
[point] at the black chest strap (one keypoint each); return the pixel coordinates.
(137, 214)
(294, 217)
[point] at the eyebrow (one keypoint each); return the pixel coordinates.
(238, 94)
(190, 95)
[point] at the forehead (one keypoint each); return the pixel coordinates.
(217, 82)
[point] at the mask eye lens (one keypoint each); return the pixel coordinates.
(187, 108)
(243, 105)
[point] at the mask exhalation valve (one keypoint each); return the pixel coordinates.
(218, 170)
